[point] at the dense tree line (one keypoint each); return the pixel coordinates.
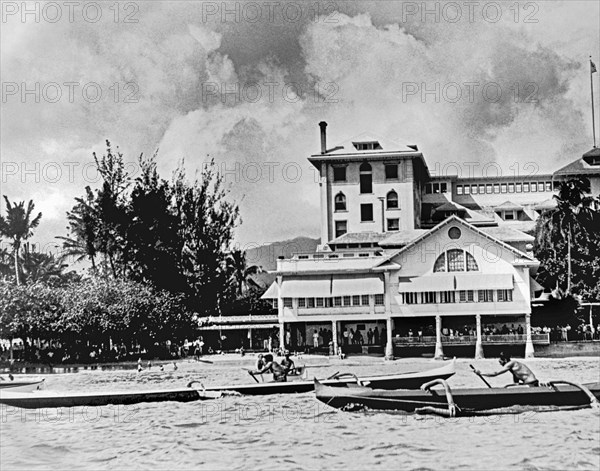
(160, 252)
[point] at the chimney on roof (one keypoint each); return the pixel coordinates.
(323, 126)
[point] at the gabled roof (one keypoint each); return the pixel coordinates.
(387, 145)
(456, 220)
(581, 166)
(508, 205)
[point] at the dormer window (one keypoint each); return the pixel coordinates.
(371, 145)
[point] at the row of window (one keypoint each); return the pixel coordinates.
(391, 201)
(365, 173)
(464, 296)
(436, 188)
(489, 188)
(336, 301)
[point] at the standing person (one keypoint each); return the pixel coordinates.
(316, 339)
(521, 373)
(369, 336)
(376, 335)
(345, 336)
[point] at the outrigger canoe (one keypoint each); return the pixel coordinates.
(195, 391)
(25, 385)
(396, 381)
(554, 395)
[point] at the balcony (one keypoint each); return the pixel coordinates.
(510, 339)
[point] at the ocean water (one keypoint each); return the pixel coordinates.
(294, 431)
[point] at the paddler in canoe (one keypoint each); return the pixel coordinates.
(280, 372)
(522, 375)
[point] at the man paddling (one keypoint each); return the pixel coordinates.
(271, 366)
(288, 363)
(521, 374)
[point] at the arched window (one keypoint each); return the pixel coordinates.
(471, 263)
(340, 202)
(392, 200)
(366, 178)
(454, 260)
(440, 263)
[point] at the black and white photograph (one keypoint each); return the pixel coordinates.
(300, 235)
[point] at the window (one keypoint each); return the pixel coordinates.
(533, 186)
(391, 171)
(488, 188)
(454, 233)
(379, 301)
(459, 189)
(503, 188)
(519, 187)
(287, 302)
(365, 299)
(481, 189)
(392, 200)
(511, 187)
(448, 297)
(337, 301)
(366, 212)
(504, 295)
(440, 263)
(509, 215)
(366, 178)
(525, 187)
(310, 303)
(485, 296)
(466, 296)
(301, 302)
(356, 300)
(341, 227)
(470, 296)
(393, 224)
(339, 173)
(548, 186)
(456, 260)
(319, 302)
(428, 297)
(410, 298)
(496, 188)
(340, 202)
(467, 189)
(347, 300)
(444, 187)
(474, 189)
(471, 263)
(275, 304)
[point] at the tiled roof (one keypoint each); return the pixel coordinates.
(580, 167)
(358, 237)
(400, 238)
(507, 234)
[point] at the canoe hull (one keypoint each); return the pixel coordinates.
(21, 386)
(39, 400)
(467, 400)
(399, 381)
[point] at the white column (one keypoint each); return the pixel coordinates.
(478, 342)
(324, 204)
(282, 344)
(334, 334)
(439, 351)
(389, 347)
(529, 352)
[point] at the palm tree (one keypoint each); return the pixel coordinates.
(572, 213)
(18, 226)
(240, 272)
(37, 266)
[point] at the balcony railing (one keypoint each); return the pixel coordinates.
(537, 339)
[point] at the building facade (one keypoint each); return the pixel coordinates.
(407, 258)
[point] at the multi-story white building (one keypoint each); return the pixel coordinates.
(402, 251)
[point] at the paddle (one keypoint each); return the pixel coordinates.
(482, 378)
(251, 373)
(204, 361)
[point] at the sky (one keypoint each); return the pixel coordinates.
(480, 84)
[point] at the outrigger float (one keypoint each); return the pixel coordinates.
(195, 391)
(554, 395)
(21, 385)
